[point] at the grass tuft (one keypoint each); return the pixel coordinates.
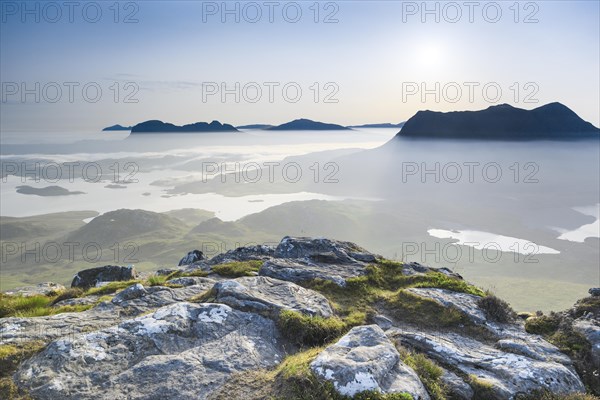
(236, 269)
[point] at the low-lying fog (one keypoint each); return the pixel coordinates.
(523, 215)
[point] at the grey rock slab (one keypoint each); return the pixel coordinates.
(269, 296)
(323, 250)
(510, 337)
(298, 272)
(508, 373)
(180, 351)
(105, 314)
(365, 359)
(590, 329)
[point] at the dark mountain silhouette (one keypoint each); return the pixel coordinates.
(116, 128)
(156, 126)
(552, 121)
(307, 125)
(384, 125)
(255, 126)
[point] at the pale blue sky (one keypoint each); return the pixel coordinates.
(370, 55)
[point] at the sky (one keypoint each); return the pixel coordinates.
(95, 64)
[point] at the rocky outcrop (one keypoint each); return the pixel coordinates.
(365, 359)
(147, 357)
(505, 372)
(130, 302)
(322, 251)
(269, 296)
(108, 273)
(191, 257)
(249, 253)
(161, 342)
(595, 292)
(293, 271)
(44, 289)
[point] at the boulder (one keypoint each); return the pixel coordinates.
(365, 359)
(44, 289)
(269, 296)
(299, 272)
(595, 292)
(108, 273)
(248, 253)
(321, 250)
(180, 351)
(130, 293)
(191, 257)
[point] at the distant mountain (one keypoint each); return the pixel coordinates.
(155, 126)
(552, 121)
(255, 126)
(307, 125)
(384, 125)
(116, 128)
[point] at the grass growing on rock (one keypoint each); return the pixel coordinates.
(304, 330)
(110, 287)
(545, 395)
(11, 355)
(482, 388)
(294, 380)
(33, 306)
(381, 290)
(496, 309)
(557, 328)
(428, 371)
(237, 269)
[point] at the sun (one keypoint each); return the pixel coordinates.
(430, 55)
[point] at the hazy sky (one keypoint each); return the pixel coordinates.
(373, 58)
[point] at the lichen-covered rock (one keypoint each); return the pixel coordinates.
(108, 273)
(190, 281)
(191, 257)
(365, 359)
(181, 351)
(269, 296)
(507, 373)
(457, 388)
(321, 250)
(248, 253)
(105, 314)
(297, 272)
(590, 329)
(44, 289)
(130, 293)
(511, 337)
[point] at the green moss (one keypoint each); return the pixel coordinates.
(441, 281)
(496, 309)
(295, 381)
(546, 395)
(409, 307)
(238, 268)
(543, 324)
(9, 390)
(70, 293)
(11, 355)
(428, 371)
(482, 389)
